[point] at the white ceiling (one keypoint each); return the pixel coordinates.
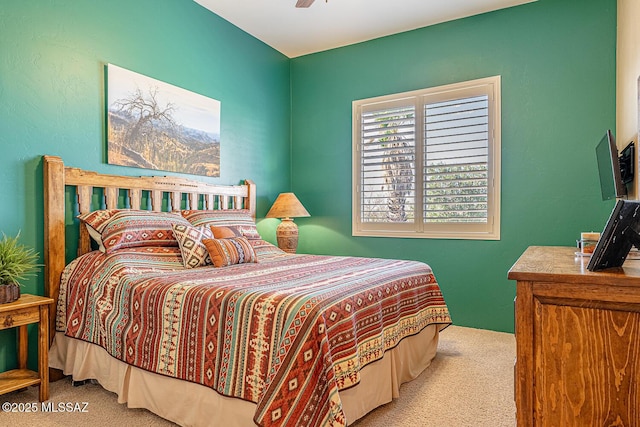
(334, 23)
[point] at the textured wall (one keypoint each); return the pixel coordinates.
(557, 62)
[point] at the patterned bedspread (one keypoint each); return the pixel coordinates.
(286, 333)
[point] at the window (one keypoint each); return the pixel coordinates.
(427, 163)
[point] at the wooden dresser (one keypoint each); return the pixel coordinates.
(578, 341)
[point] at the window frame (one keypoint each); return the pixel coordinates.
(490, 230)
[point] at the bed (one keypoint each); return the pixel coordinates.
(261, 337)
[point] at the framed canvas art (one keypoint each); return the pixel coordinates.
(155, 125)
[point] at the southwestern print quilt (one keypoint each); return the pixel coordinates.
(286, 332)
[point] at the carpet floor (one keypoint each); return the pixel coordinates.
(469, 383)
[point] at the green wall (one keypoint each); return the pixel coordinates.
(557, 62)
(52, 58)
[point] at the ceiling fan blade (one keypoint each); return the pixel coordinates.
(304, 3)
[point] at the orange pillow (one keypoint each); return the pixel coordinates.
(235, 250)
(225, 232)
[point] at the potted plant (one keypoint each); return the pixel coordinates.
(16, 263)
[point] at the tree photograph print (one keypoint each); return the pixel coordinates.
(155, 125)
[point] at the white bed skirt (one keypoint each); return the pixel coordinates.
(190, 404)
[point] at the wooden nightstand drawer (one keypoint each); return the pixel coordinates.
(19, 317)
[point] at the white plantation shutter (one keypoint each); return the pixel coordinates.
(456, 160)
(388, 164)
(427, 163)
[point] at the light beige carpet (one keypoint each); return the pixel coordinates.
(469, 383)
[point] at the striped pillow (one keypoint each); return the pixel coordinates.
(194, 252)
(115, 229)
(235, 250)
(240, 219)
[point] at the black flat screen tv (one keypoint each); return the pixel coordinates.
(611, 183)
(620, 233)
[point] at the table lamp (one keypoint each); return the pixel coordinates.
(287, 206)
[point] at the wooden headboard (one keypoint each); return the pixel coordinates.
(174, 192)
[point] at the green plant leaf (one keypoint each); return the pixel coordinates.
(17, 262)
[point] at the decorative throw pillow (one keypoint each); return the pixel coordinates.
(127, 228)
(225, 232)
(240, 219)
(224, 252)
(194, 252)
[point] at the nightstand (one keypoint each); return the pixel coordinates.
(18, 314)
